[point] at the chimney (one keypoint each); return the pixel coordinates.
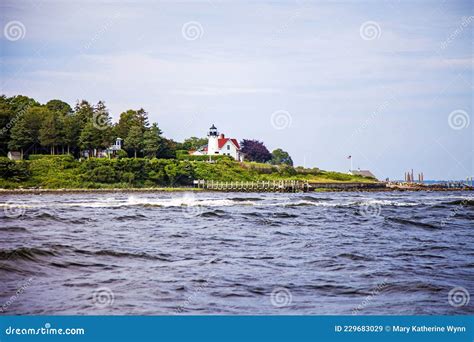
(221, 136)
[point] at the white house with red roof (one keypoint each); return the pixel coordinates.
(218, 144)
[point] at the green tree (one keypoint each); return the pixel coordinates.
(21, 103)
(152, 141)
(84, 112)
(129, 119)
(25, 131)
(168, 149)
(97, 132)
(281, 157)
(6, 118)
(11, 110)
(72, 130)
(88, 138)
(134, 139)
(193, 143)
(59, 107)
(51, 131)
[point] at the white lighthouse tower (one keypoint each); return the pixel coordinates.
(213, 145)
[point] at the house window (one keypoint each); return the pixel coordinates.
(228, 147)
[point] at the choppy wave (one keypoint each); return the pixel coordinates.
(26, 253)
(235, 250)
(13, 229)
(47, 211)
(405, 222)
(463, 202)
(123, 254)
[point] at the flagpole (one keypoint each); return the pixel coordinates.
(352, 166)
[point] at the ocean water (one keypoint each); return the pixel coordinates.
(237, 253)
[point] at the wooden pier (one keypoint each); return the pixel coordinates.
(283, 186)
(255, 186)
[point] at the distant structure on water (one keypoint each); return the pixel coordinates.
(218, 144)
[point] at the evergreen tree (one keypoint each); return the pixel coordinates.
(84, 112)
(152, 141)
(103, 122)
(96, 133)
(88, 138)
(134, 139)
(71, 132)
(129, 119)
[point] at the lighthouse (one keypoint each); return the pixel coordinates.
(218, 144)
(213, 141)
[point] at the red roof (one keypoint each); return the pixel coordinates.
(222, 141)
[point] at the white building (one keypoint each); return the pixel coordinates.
(218, 144)
(110, 151)
(14, 155)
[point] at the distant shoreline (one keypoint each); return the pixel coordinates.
(183, 189)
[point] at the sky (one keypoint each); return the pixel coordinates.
(389, 83)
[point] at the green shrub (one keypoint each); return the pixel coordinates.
(303, 171)
(13, 170)
(101, 174)
(286, 171)
(37, 156)
(122, 154)
(187, 156)
(127, 177)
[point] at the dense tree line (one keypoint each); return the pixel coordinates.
(55, 128)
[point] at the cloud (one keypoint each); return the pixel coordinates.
(252, 60)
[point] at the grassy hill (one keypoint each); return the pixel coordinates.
(55, 172)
